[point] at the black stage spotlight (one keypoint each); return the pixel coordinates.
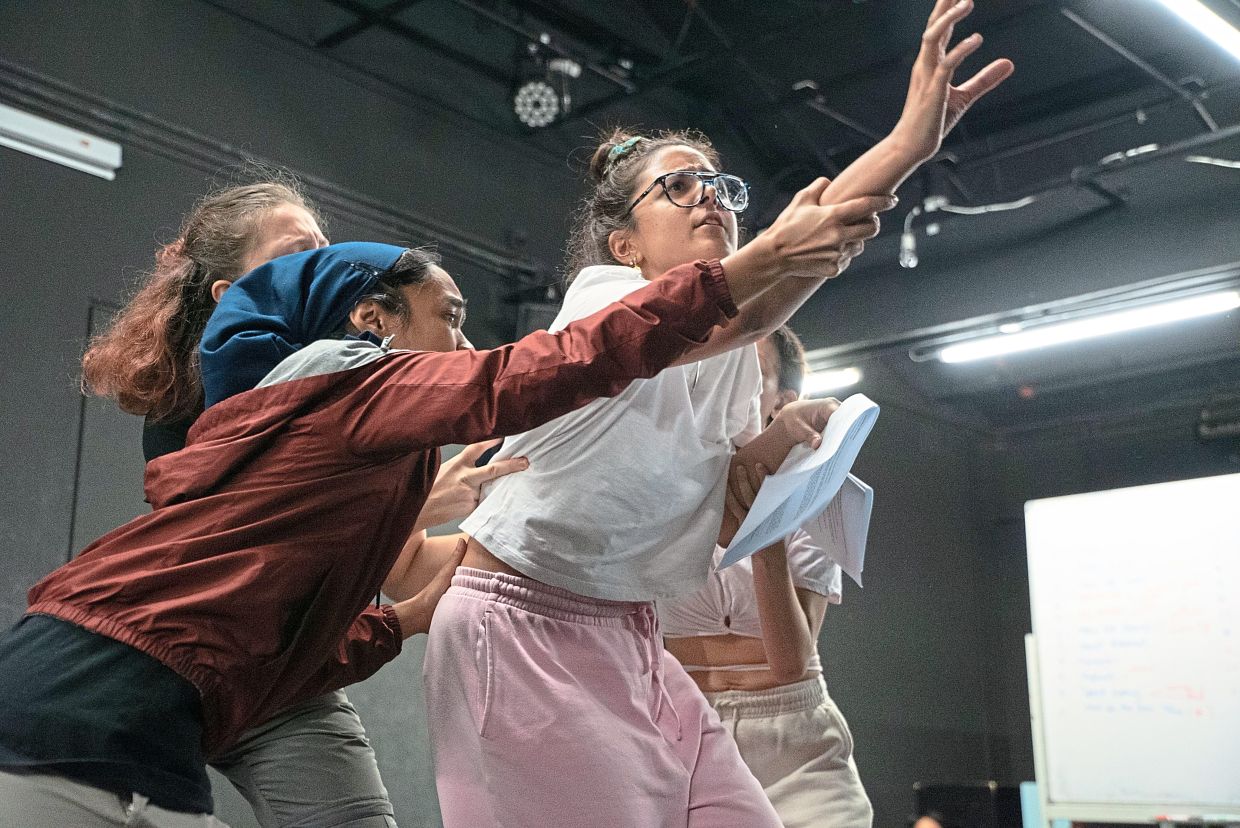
(542, 94)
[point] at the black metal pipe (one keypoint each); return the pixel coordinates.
(818, 102)
(363, 22)
(1076, 132)
(535, 37)
(1087, 172)
(426, 41)
(1193, 100)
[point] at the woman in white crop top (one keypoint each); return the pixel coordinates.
(749, 640)
(550, 698)
(546, 673)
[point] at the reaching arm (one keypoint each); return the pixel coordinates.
(415, 611)
(418, 400)
(932, 109)
(791, 618)
(458, 485)
(375, 636)
(420, 561)
(838, 230)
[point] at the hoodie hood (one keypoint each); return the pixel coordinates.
(282, 306)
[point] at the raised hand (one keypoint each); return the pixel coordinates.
(799, 422)
(934, 106)
(802, 421)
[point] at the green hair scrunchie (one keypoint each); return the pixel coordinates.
(620, 149)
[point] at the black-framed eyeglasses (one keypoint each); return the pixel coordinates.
(687, 188)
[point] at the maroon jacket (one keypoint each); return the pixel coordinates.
(280, 519)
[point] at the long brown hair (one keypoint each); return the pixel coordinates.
(615, 169)
(147, 359)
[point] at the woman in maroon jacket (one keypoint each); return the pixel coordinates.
(239, 594)
(312, 765)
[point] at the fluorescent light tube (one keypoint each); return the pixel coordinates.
(820, 382)
(1207, 22)
(55, 142)
(1057, 334)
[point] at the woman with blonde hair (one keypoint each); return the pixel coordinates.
(311, 765)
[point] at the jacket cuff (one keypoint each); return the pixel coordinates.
(393, 622)
(717, 286)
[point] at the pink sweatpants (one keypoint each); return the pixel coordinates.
(550, 709)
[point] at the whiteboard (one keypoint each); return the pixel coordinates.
(1135, 596)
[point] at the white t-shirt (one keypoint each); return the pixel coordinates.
(728, 604)
(623, 498)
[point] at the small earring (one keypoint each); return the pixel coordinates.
(633, 262)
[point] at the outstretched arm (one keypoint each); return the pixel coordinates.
(932, 109)
(838, 230)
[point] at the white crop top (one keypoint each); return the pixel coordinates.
(727, 604)
(623, 498)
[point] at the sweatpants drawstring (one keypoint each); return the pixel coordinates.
(654, 652)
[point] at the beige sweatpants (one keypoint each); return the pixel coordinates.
(797, 744)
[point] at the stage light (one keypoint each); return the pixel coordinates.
(1042, 336)
(1207, 22)
(542, 95)
(821, 382)
(536, 104)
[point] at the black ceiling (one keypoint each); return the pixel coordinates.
(739, 68)
(799, 88)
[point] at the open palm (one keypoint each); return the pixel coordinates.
(934, 106)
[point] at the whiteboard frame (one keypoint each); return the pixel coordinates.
(1075, 811)
(1103, 812)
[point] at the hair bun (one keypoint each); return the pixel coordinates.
(614, 147)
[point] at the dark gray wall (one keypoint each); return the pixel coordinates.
(901, 656)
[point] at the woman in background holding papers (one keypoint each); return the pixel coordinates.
(749, 639)
(550, 698)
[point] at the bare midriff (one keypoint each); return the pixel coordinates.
(478, 556)
(724, 651)
(705, 650)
